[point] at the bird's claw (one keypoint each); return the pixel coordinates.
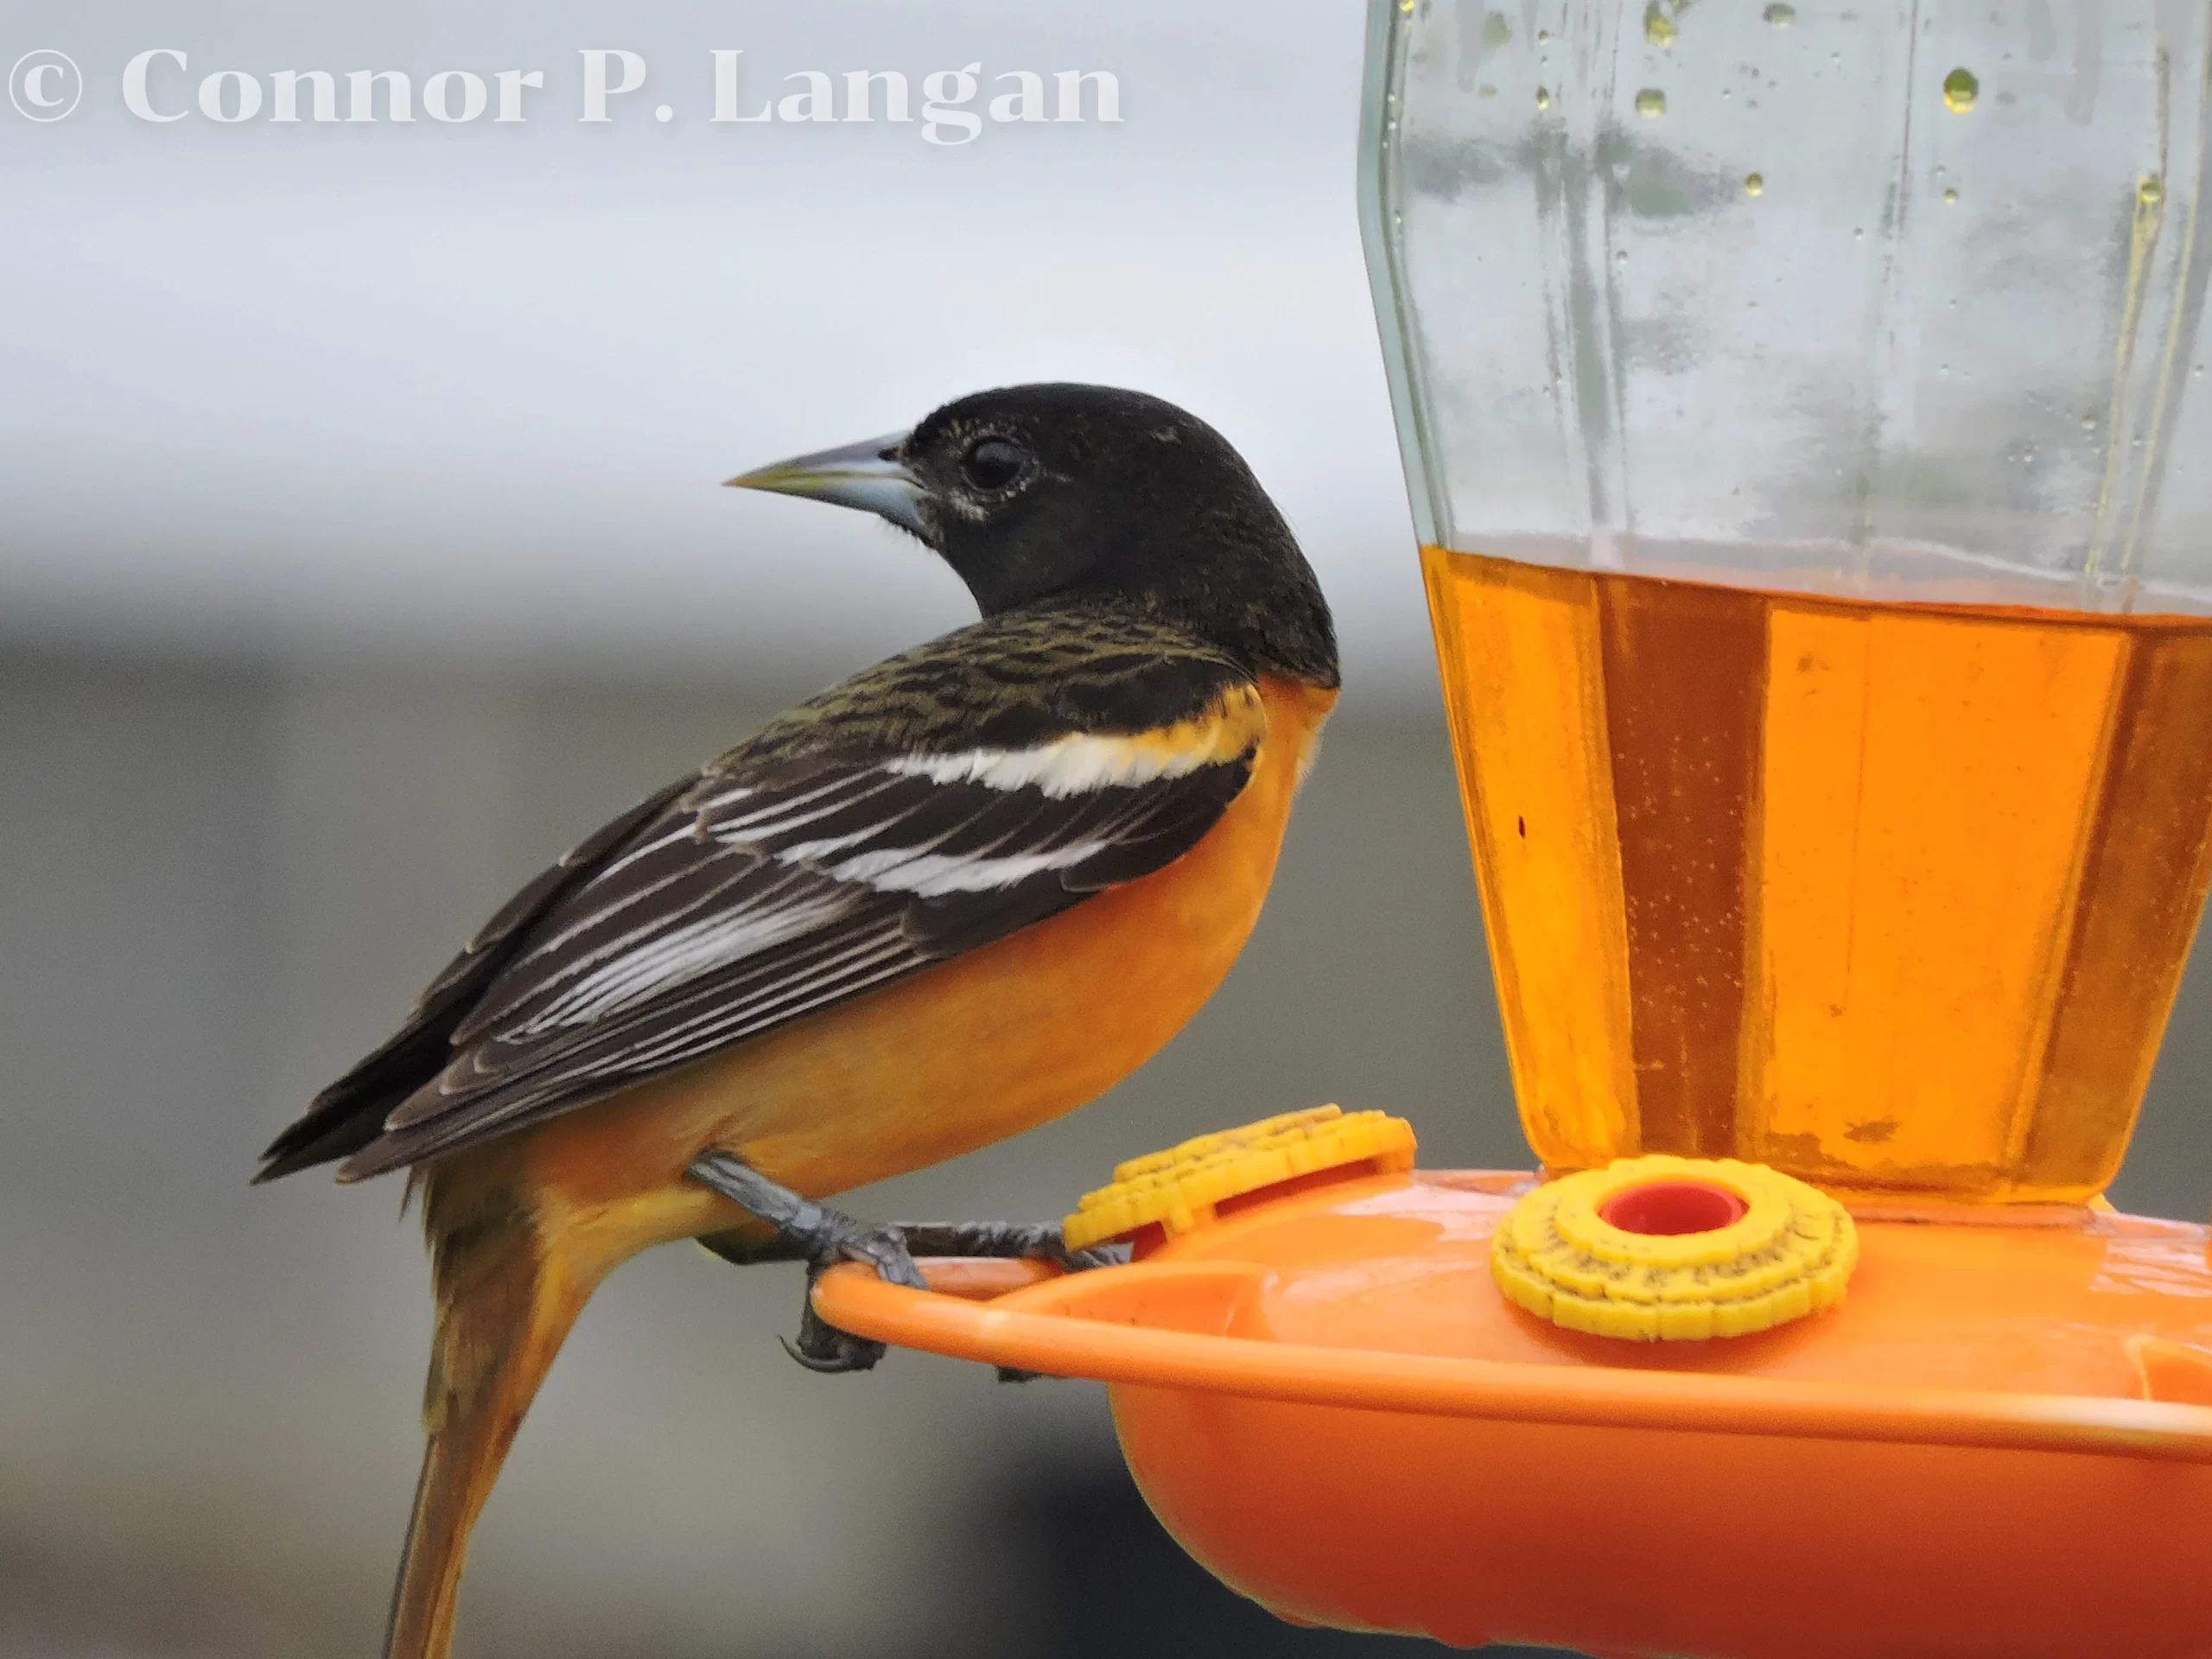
(825, 1349)
(821, 1346)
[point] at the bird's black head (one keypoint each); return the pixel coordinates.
(1040, 493)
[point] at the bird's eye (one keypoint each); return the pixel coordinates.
(993, 463)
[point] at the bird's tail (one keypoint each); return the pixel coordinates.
(506, 1301)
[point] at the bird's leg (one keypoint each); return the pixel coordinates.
(822, 1237)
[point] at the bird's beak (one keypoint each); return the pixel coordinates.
(868, 475)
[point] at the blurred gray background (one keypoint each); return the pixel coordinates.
(359, 550)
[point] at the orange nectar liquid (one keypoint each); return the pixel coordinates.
(1892, 897)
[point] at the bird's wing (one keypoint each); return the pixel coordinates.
(787, 879)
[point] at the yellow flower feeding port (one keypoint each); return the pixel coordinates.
(1187, 1185)
(1675, 1250)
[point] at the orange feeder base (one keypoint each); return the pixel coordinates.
(1999, 1445)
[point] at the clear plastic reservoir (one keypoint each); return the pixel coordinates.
(1805, 416)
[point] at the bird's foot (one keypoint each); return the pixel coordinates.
(822, 1237)
(821, 1346)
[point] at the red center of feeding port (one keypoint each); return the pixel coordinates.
(1667, 1208)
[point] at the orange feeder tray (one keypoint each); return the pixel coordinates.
(1999, 1444)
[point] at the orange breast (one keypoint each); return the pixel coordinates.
(994, 1042)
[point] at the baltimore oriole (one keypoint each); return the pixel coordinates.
(961, 893)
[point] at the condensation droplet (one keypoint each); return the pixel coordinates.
(1485, 91)
(1754, 183)
(1961, 89)
(1543, 37)
(1651, 101)
(2089, 423)
(1544, 99)
(1780, 16)
(1950, 198)
(1496, 31)
(1658, 27)
(2151, 190)
(1620, 257)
